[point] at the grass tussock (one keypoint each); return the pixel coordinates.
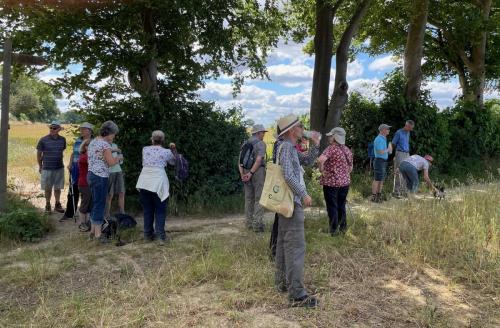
(419, 263)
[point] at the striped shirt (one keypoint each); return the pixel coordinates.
(291, 160)
(52, 149)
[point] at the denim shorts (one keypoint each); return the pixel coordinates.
(380, 169)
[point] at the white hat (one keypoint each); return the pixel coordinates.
(258, 128)
(286, 123)
(338, 134)
(383, 126)
(87, 125)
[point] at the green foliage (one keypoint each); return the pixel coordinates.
(32, 99)
(208, 138)
(458, 138)
(71, 117)
(22, 222)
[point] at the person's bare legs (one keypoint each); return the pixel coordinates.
(121, 202)
(48, 197)
(107, 209)
(57, 196)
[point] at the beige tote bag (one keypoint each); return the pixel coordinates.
(276, 195)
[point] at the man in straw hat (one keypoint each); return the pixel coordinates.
(291, 245)
(253, 174)
(50, 151)
(73, 193)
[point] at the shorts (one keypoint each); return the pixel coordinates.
(85, 199)
(116, 183)
(380, 169)
(52, 179)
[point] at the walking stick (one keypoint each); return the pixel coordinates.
(72, 192)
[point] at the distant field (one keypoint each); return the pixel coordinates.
(23, 138)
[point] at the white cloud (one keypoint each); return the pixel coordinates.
(384, 63)
(355, 69)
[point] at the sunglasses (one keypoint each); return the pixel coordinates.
(55, 127)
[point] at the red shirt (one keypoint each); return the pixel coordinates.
(338, 166)
(83, 168)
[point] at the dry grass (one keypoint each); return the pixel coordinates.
(23, 138)
(402, 264)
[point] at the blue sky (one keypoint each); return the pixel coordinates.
(289, 89)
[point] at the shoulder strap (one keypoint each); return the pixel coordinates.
(279, 153)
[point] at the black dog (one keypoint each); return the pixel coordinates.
(440, 193)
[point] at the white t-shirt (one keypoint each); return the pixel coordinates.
(418, 161)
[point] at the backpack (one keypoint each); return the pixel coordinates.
(181, 167)
(247, 155)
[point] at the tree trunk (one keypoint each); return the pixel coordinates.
(414, 50)
(323, 49)
(340, 96)
(477, 63)
(144, 78)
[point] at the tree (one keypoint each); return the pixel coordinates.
(163, 48)
(32, 99)
(414, 49)
(461, 40)
(347, 15)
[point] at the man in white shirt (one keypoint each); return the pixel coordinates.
(409, 169)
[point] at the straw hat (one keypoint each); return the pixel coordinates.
(286, 123)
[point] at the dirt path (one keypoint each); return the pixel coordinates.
(363, 289)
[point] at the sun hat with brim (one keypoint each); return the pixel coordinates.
(87, 125)
(286, 123)
(338, 134)
(258, 128)
(383, 126)
(429, 158)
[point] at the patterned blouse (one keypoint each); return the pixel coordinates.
(157, 156)
(338, 166)
(97, 163)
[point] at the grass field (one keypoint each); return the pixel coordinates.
(23, 138)
(418, 263)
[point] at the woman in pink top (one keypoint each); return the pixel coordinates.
(336, 165)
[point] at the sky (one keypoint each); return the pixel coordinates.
(289, 88)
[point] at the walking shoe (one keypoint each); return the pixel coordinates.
(63, 218)
(374, 198)
(281, 288)
(59, 208)
(161, 242)
(304, 301)
(84, 227)
(380, 198)
(48, 208)
(91, 237)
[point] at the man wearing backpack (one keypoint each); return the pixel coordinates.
(253, 174)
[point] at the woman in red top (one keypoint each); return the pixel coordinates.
(335, 165)
(83, 186)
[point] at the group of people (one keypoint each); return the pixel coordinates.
(335, 164)
(406, 167)
(96, 176)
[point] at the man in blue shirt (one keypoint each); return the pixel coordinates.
(382, 151)
(401, 143)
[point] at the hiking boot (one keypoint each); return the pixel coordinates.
(162, 242)
(148, 239)
(304, 301)
(63, 218)
(380, 198)
(374, 198)
(59, 208)
(48, 208)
